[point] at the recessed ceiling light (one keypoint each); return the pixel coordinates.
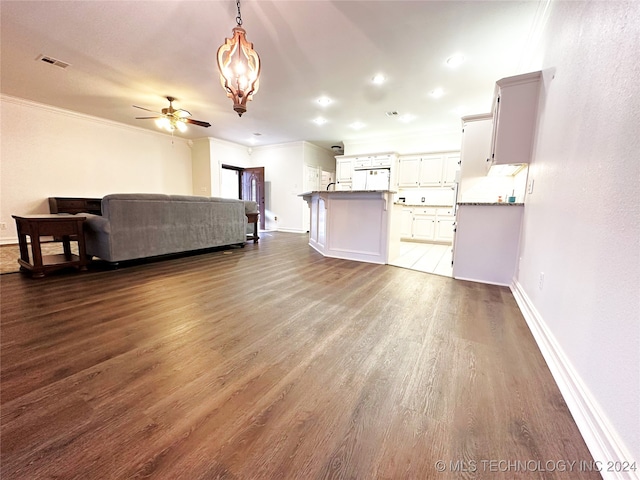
(437, 93)
(357, 125)
(379, 79)
(455, 60)
(407, 117)
(324, 101)
(319, 121)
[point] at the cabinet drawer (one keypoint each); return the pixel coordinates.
(448, 212)
(424, 211)
(362, 163)
(66, 204)
(381, 162)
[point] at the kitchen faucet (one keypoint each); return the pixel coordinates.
(332, 183)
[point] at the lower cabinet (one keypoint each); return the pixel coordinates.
(428, 224)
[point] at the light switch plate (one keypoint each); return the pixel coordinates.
(530, 186)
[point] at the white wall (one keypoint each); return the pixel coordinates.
(428, 141)
(283, 172)
(202, 171)
(582, 222)
(208, 156)
(49, 152)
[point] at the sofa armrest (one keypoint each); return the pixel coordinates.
(250, 207)
(97, 223)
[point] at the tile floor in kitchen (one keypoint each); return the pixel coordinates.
(425, 257)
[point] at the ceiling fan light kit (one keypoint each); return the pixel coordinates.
(172, 119)
(239, 66)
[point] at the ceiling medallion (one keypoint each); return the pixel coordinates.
(239, 66)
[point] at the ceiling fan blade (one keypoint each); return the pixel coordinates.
(145, 118)
(142, 108)
(197, 122)
(181, 113)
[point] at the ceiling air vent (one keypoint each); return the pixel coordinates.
(392, 114)
(52, 61)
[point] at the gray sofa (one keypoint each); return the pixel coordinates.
(136, 226)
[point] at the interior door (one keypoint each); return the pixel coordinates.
(253, 188)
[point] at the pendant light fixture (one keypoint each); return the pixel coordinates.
(239, 66)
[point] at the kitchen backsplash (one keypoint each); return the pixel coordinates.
(427, 196)
(488, 189)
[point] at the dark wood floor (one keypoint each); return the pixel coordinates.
(272, 362)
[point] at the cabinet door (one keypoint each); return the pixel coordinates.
(444, 229)
(450, 166)
(409, 172)
(344, 170)
(424, 227)
(405, 223)
(381, 161)
(431, 171)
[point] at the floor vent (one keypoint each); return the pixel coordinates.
(52, 61)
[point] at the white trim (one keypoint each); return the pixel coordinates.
(601, 438)
(481, 281)
(9, 241)
(290, 230)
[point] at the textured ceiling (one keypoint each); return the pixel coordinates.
(124, 53)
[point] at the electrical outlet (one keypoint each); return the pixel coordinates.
(275, 219)
(541, 280)
(3, 226)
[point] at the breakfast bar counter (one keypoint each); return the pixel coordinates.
(354, 224)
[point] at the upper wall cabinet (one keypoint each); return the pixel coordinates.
(514, 119)
(344, 173)
(433, 170)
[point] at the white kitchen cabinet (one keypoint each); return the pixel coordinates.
(409, 172)
(514, 118)
(406, 223)
(344, 173)
(444, 228)
(424, 227)
(385, 160)
(431, 171)
(434, 170)
(450, 166)
(475, 152)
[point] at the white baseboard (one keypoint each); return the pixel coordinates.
(601, 438)
(290, 230)
(9, 241)
(482, 281)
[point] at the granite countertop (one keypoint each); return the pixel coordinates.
(346, 191)
(428, 205)
(499, 204)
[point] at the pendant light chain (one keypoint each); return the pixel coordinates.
(239, 17)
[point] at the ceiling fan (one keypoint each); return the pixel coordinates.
(171, 118)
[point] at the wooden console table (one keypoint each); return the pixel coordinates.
(63, 226)
(75, 205)
(253, 218)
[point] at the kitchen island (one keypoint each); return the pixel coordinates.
(358, 225)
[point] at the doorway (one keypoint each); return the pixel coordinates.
(252, 188)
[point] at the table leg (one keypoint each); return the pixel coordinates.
(38, 267)
(66, 245)
(82, 253)
(24, 247)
